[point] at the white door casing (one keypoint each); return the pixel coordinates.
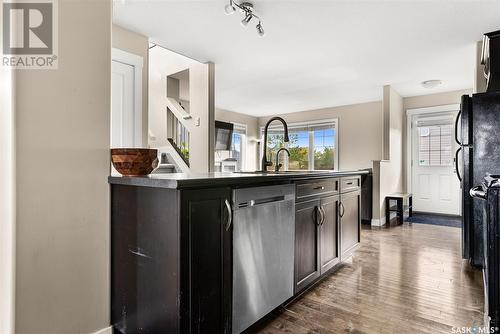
(122, 105)
(435, 189)
(126, 100)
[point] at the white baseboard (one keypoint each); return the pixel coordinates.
(378, 222)
(107, 330)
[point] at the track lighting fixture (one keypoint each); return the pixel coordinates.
(246, 8)
(229, 9)
(260, 30)
(246, 20)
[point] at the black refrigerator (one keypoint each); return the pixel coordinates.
(489, 194)
(477, 131)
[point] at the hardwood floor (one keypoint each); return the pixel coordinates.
(406, 279)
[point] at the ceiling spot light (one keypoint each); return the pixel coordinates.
(431, 83)
(246, 8)
(260, 30)
(229, 9)
(246, 20)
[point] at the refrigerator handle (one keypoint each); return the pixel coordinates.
(477, 192)
(456, 164)
(456, 128)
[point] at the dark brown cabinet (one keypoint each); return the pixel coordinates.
(327, 226)
(172, 250)
(307, 243)
(206, 269)
(350, 222)
(171, 266)
(329, 233)
(316, 230)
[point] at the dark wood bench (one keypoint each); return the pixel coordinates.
(395, 203)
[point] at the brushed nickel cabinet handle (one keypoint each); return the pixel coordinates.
(343, 210)
(229, 215)
(319, 214)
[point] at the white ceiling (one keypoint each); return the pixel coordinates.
(320, 53)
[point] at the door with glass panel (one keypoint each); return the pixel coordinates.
(435, 186)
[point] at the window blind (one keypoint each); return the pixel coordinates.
(435, 144)
(278, 129)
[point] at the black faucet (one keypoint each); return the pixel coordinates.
(278, 165)
(266, 163)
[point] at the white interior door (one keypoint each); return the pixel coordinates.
(435, 186)
(122, 105)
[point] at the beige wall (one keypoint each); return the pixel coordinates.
(431, 100)
(62, 148)
(396, 139)
(425, 101)
(386, 110)
(361, 126)
(162, 63)
(252, 123)
(390, 173)
(368, 130)
(360, 131)
(137, 44)
(7, 204)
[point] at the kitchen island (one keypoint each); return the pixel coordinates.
(216, 252)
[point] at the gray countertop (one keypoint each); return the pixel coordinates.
(205, 180)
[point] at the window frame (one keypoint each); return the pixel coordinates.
(243, 128)
(436, 120)
(317, 123)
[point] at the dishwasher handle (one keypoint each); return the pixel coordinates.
(247, 198)
(267, 200)
(261, 201)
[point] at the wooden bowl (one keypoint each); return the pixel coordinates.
(134, 161)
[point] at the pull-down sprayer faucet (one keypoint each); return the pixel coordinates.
(265, 162)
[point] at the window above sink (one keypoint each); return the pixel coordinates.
(313, 145)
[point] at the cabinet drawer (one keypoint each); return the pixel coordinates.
(350, 183)
(317, 187)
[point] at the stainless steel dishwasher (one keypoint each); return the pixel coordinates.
(263, 251)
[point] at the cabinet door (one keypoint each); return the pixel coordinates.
(144, 256)
(307, 243)
(329, 233)
(350, 222)
(206, 277)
